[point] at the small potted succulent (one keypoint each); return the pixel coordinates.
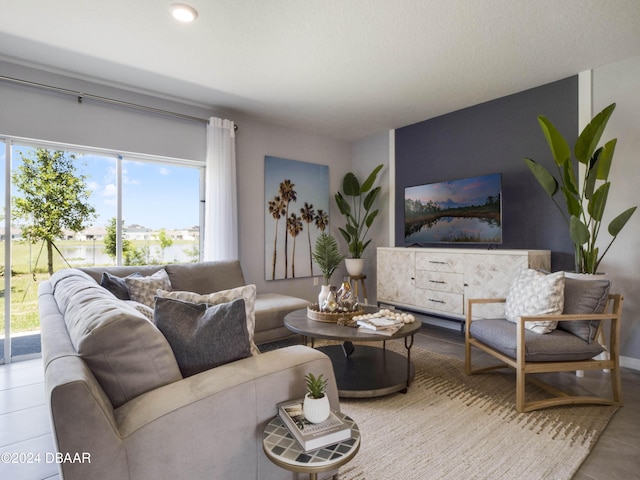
(316, 403)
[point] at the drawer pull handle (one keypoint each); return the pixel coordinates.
(437, 281)
(437, 301)
(439, 263)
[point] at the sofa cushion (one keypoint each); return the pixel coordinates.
(203, 336)
(143, 289)
(553, 347)
(535, 293)
(126, 353)
(205, 277)
(584, 296)
(117, 285)
(247, 292)
(271, 309)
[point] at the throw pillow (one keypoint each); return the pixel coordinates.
(535, 293)
(584, 296)
(143, 289)
(248, 293)
(203, 336)
(117, 285)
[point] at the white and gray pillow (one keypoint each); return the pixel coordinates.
(143, 289)
(535, 293)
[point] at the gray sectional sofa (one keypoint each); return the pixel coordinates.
(118, 398)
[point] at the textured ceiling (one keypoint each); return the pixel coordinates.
(342, 68)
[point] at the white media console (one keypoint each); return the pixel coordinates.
(437, 281)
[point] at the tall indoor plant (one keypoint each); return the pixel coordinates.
(356, 202)
(585, 205)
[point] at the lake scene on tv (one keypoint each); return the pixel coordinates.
(467, 210)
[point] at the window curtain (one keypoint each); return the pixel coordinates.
(221, 205)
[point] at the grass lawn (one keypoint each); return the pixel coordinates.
(24, 283)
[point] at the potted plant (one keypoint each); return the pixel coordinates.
(585, 205)
(327, 256)
(316, 406)
(356, 202)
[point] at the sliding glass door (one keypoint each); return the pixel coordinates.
(70, 208)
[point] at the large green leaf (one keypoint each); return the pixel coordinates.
(370, 198)
(557, 143)
(569, 178)
(605, 159)
(343, 205)
(591, 174)
(370, 218)
(578, 231)
(598, 202)
(620, 221)
(545, 179)
(368, 183)
(350, 185)
(572, 201)
(590, 136)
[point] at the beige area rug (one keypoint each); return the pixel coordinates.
(452, 426)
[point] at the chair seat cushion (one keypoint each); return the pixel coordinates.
(557, 346)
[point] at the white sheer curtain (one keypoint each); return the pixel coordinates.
(221, 206)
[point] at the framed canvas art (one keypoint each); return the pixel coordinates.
(296, 212)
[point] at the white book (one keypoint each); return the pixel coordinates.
(312, 436)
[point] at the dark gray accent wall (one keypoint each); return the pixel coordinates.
(495, 137)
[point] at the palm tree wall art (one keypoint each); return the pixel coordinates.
(297, 202)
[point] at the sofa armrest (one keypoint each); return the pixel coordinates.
(216, 418)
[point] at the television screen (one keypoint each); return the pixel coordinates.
(468, 210)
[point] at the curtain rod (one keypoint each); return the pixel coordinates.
(80, 96)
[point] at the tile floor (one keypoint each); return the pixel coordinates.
(25, 428)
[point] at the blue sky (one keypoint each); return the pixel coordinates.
(466, 191)
(154, 195)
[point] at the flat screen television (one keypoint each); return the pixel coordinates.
(467, 210)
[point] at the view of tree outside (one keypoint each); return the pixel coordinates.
(64, 207)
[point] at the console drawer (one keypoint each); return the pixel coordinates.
(440, 281)
(445, 302)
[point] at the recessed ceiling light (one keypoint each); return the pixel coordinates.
(183, 13)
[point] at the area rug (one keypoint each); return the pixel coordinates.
(452, 426)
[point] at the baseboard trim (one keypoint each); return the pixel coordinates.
(629, 362)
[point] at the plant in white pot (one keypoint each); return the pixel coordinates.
(356, 203)
(316, 406)
(327, 256)
(585, 205)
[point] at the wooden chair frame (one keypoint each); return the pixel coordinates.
(612, 314)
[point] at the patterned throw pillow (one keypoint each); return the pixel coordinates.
(203, 336)
(143, 289)
(248, 293)
(535, 293)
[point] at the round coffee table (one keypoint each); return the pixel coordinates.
(361, 371)
(281, 448)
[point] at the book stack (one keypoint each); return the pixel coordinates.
(380, 325)
(312, 436)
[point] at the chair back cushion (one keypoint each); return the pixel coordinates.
(584, 296)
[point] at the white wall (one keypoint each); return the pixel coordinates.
(254, 140)
(44, 115)
(366, 155)
(619, 83)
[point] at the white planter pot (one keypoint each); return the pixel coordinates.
(316, 410)
(354, 265)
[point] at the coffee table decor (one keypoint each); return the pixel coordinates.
(314, 313)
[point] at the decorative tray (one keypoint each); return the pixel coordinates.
(314, 313)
